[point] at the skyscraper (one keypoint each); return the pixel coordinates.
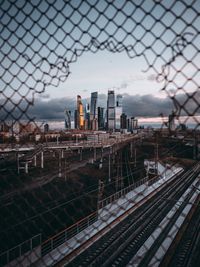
(171, 121)
(46, 128)
(123, 121)
(75, 119)
(80, 113)
(94, 111)
(67, 119)
(87, 116)
(100, 118)
(118, 111)
(133, 123)
(111, 110)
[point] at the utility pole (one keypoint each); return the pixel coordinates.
(121, 174)
(156, 151)
(156, 161)
(101, 159)
(18, 162)
(135, 157)
(131, 149)
(59, 165)
(195, 146)
(35, 160)
(65, 171)
(109, 170)
(95, 154)
(118, 172)
(81, 154)
(42, 160)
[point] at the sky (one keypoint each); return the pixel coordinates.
(65, 48)
(104, 71)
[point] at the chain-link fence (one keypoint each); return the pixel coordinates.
(123, 200)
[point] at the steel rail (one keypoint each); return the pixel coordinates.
(93, 255)
(124, 253)
(185, 252)
(165, 233)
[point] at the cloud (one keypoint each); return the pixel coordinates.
(146, 105)
(44, 96)
(187, 104)
(151, 77)
(52, 109)
(42, 109)
(124, 85)
(133, 105)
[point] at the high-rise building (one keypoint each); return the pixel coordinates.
(134, 123)
(94, 111)
(94, 124)
(118, 111)
(87, 116)
(111, 110)
(67, 119)
(46, 128)
(80, 113)
(119, 101)
(171, 121)
(123, 121)
(128, 124)
(75, 119)
(100, 118)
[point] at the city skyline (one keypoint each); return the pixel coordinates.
(131, 56)
(99, 64)
(142, 106)
(99, 133)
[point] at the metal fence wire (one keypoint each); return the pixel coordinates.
(92, 203)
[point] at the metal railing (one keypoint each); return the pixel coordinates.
(76, 228)
(121, 193)
(68, 233)
(20, 250)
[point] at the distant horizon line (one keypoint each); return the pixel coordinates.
(141, 118)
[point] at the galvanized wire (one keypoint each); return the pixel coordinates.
(40, 40)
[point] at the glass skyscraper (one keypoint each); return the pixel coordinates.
(111, 110)
(100, 118)
(67, 119)
(118, 111)
(80, 113)
(94, 111)
(87, 116)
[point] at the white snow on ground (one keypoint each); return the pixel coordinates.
(106, 216)
(136, 260)
(136, 195)
(167, 242)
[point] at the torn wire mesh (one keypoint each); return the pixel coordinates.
(49, 210)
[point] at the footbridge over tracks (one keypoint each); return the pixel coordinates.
(29, 155)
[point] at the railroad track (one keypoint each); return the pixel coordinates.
(153, 252)
(186, 252)
(120, 244)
